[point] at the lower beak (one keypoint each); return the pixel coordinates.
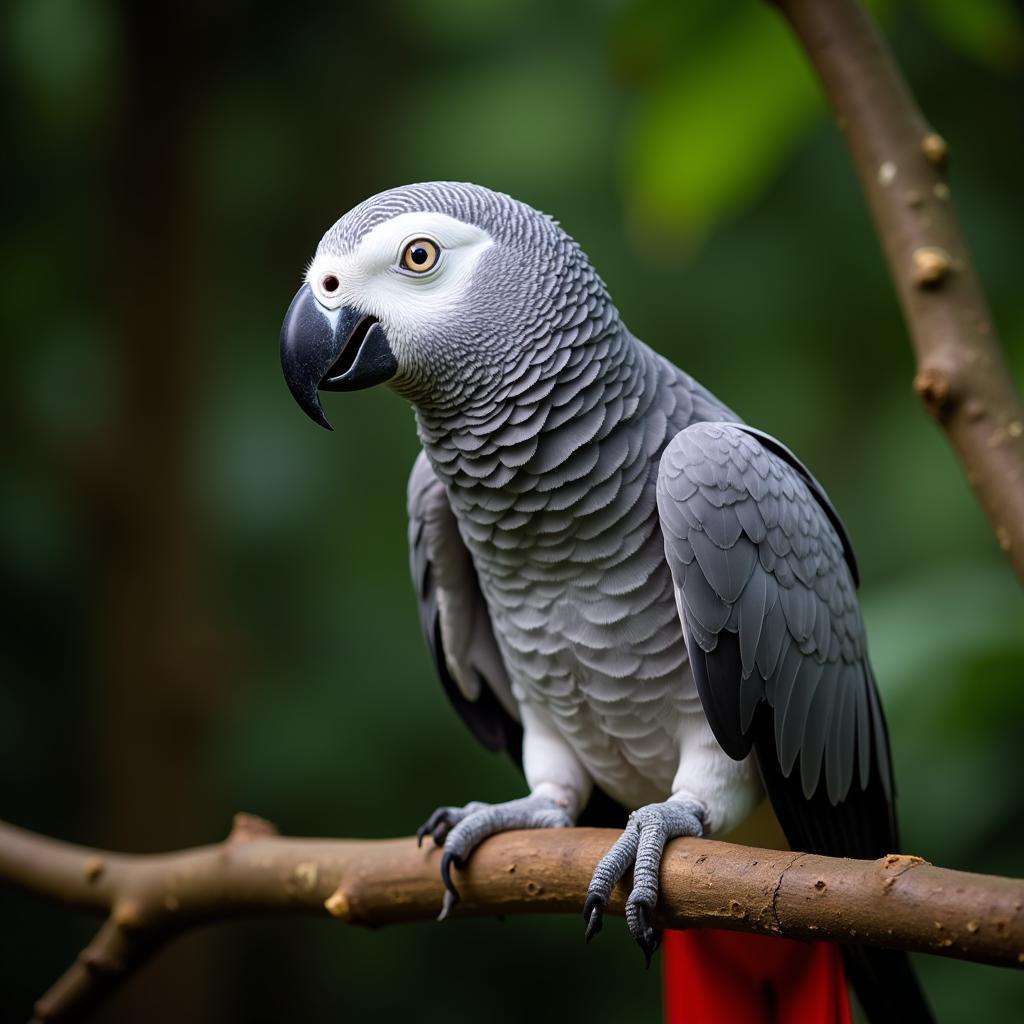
(331, 350)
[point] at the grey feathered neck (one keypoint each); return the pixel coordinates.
(559, 385)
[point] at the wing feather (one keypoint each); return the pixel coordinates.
(775, 634)
(454, 617)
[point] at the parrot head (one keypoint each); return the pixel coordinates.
(444, 291)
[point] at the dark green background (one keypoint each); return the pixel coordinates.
(207, 598)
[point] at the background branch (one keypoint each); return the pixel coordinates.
(899, 901)
(962, 376)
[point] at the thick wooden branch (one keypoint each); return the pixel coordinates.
(899, 902)
(962, 377)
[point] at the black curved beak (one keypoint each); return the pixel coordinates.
(331, 350)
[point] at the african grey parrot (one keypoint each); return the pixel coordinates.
(621, 583)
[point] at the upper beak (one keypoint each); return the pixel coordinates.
(331, 350)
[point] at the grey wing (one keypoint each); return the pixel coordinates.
(765, 584)
(454, 617)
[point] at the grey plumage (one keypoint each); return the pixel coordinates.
(467, 659)
(757, 551)
(608, 562)
(552, 480)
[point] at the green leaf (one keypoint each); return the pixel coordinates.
(711, 133)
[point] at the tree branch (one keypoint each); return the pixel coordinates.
(900, 902)
(962, 377)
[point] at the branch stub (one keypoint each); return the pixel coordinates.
(931, 266)
(935, 149)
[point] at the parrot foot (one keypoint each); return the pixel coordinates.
(640, 846)
(461, 829)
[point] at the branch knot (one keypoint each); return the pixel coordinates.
(934, 387)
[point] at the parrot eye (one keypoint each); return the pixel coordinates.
(420, 255)
(329, 284)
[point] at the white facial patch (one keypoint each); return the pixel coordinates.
(371, 279)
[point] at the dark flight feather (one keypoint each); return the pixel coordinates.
(779, 656)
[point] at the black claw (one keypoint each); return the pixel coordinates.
(593, 915)
(446, 876)
(649, 939)
(653, 944)
(434, 822)
(451, 896)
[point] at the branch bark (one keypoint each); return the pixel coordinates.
(899, 901)
(962, 376)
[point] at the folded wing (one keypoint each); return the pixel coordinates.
(765, 584)
(454, 617)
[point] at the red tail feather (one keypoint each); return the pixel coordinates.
(712, 977)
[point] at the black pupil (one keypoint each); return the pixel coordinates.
(419, 255)
(330, 283)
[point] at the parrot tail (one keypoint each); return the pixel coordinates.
(713, 976)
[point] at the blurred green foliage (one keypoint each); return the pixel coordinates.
(703, 142)
(991, 31)
(687, 148)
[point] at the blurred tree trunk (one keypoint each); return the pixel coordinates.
(159, 667)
